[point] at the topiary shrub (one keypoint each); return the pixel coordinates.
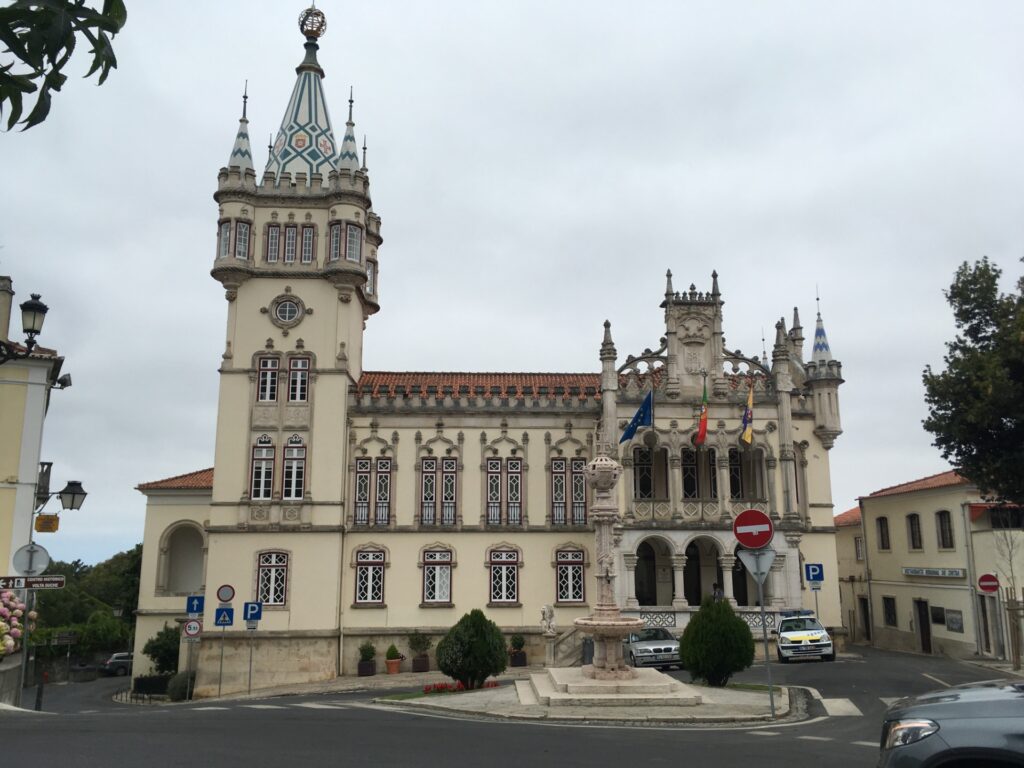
(716, 644)
(472, 650)
(391, 654)
(181, 686)
(367, 651)
(419, 643)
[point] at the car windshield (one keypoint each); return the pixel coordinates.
(654, 634)
(796, 625)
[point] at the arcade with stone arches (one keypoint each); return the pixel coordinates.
(677, 570)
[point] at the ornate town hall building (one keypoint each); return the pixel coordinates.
(361, 505)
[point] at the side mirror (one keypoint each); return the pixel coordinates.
(773, 632)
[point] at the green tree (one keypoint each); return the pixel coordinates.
(472, 650)
(716, 643)
(162, 648)
(976, 405)
(41, 35)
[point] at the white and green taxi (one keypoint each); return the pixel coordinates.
(800, 636)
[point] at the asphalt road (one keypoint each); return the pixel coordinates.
(346, 730)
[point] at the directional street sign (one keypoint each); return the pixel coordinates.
(757, 562)
(224, 617)
(225, 593)
(814, 572)
(31, 582)
(194, 606)
(988, 582)
(753, 529)
(252, 611)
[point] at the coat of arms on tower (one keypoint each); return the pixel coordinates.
(325, 146)
(300, 140)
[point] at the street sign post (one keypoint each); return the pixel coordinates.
(758, 563)
(814, 574)
(753, 529)
(31, 582)
(190, 632)
(988, 582)
(252, 613)
(194, 605)
(224, 617)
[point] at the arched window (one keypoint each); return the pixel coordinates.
(184, 561)
(944, 529)
(882, 524)
(914, 531)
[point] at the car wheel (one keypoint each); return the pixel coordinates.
(121, 672)
(632, 660)
(782, 659)
(829, 657)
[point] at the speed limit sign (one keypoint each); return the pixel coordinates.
(191, 630)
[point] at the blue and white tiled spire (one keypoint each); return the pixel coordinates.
(348, 158)
(241, 154)
(305, 141)
(821, 352)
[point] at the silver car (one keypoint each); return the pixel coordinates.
(654, 647)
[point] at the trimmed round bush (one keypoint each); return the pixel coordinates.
(180, 686)
(716, 644)
(472, 650)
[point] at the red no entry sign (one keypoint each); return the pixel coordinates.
(988, 582)
(753, 529)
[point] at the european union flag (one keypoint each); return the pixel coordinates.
(644, 417)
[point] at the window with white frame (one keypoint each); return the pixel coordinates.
(294, 469)
(291, 236)
(266, 384)
(241, 240)
(298, 379)
(225, 240)
(353, 244)
(944, 529)
(504, 568)
(335, 246)
(307, 245)
(273, 243)
(370, 576)
(569, 565)
(437, 490)
(858, 548)
(262, 485)
(371, 277)
(437, 576)
(568, 491)
(373, 491)
(504, 484)
(272, 578)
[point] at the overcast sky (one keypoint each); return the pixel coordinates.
(537, 166)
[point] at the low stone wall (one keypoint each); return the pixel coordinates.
(10, 678)
(276, 660)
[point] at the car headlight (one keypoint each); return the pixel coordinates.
(902, 732)
(643, 651)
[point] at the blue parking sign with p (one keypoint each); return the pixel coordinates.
(814, 572)
(252, 611)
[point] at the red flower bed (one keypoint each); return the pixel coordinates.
(453, 687)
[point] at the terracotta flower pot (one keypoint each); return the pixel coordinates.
(393, 665)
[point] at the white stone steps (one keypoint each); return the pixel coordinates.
(527, 696)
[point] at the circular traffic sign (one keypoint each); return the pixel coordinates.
(225, 593)
(753, 529)
(988, 582)
(30, 560)
(192, 628)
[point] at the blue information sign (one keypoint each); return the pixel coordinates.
(194, 603)
(252, 611)
(224, 617)
(814, 572)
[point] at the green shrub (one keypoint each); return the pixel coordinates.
(392, 653)
(419, 643)
(472, 650)
(367, 651)
(181, 686)
(517, 642)
(716, 643)
(162, 648)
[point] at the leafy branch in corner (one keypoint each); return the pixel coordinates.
(42, 35)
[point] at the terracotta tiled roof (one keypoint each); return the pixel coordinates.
(847, 518)
(941, 480)
(977, 510)
(190, 481)
(578, 385)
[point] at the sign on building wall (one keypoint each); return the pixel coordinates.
(945, 573)
(954, 620)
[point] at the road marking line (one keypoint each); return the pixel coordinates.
(943, 683)
(208, 709)
(315, 705)
(888, 700)
(766, 733)
(815, 738)
(841, 708)
(87, 711)
(872, 744)
(262, 706)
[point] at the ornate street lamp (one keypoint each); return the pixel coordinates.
(73, 495)
(33, 312)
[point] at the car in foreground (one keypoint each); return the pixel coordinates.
(802, 636)
(977, 725)
(652, 647)
(119, 664)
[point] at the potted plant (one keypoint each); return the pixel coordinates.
(367, 664)
(393, 659)
(517, 656)
(419, 644)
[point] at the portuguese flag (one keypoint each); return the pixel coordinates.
(702, 427)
